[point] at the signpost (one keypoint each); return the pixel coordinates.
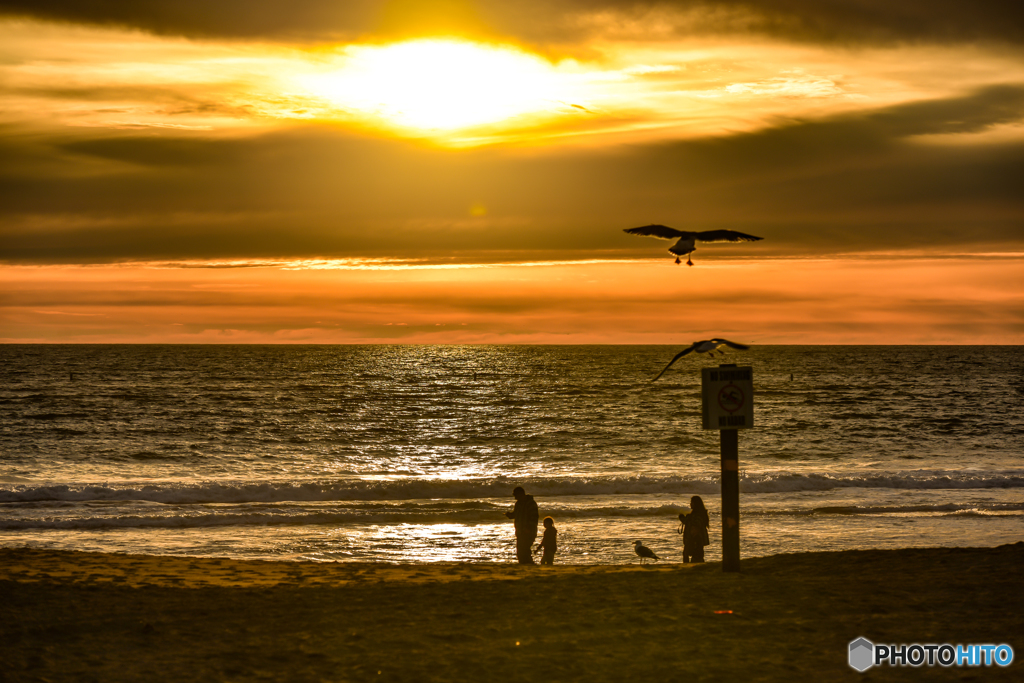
(728, 405)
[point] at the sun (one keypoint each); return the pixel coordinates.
(439, 85)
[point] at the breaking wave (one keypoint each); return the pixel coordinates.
(463, 489)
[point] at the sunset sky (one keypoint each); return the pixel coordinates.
(462, 171)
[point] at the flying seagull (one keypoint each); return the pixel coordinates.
(685, 243)
(707, 346)
(644, 552)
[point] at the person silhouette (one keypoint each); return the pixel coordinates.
(549, 544)
(694, 528)
(526, 516)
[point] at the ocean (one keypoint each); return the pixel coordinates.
(410, 453)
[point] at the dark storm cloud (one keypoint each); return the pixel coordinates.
(853, 21)
(857, 182)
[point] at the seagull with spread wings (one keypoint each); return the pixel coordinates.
(706, 346)
(686, 240)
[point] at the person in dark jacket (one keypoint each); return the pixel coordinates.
(694, 529)
(526, 517)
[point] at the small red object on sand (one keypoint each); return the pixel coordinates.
(723, 611)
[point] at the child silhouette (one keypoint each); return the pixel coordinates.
(549, 544)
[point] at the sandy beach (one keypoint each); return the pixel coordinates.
(74, 616)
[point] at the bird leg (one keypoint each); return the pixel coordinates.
(688, 261)
(678, 261)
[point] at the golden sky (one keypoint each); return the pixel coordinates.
(457, 171)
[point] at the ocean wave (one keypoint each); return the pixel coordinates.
(439, 513)
(461, 489)
(344, 491)
(247, 519)
(975, 512)
(399, 515)
(920, 480)
(948, 508)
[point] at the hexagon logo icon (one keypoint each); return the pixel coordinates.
(862, 654)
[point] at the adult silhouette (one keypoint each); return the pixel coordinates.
(525, 516)
(694, 528)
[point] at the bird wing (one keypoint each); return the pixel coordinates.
(662, 231)
(677, 357)
(732, 345)
(725, 236)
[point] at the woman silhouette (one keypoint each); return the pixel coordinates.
(694, 528)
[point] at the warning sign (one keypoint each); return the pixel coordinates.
(728, 397)
(731, 398)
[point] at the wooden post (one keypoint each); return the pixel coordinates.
(730, 500)
(727, 404)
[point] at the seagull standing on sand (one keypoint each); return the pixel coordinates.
(685, 243)
(644, 552)
(707, 346)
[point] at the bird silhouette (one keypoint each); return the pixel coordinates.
(708, 346)
(644, 552)
(686, 240)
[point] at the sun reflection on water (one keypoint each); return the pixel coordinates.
(438, 542)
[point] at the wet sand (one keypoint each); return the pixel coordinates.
(70, 616)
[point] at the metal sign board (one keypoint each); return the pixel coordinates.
(728, 397)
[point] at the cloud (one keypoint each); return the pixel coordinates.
(843, 21)
(854, 182)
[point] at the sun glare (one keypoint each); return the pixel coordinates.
(439, 84)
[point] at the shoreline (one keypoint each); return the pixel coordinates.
(70, 616)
